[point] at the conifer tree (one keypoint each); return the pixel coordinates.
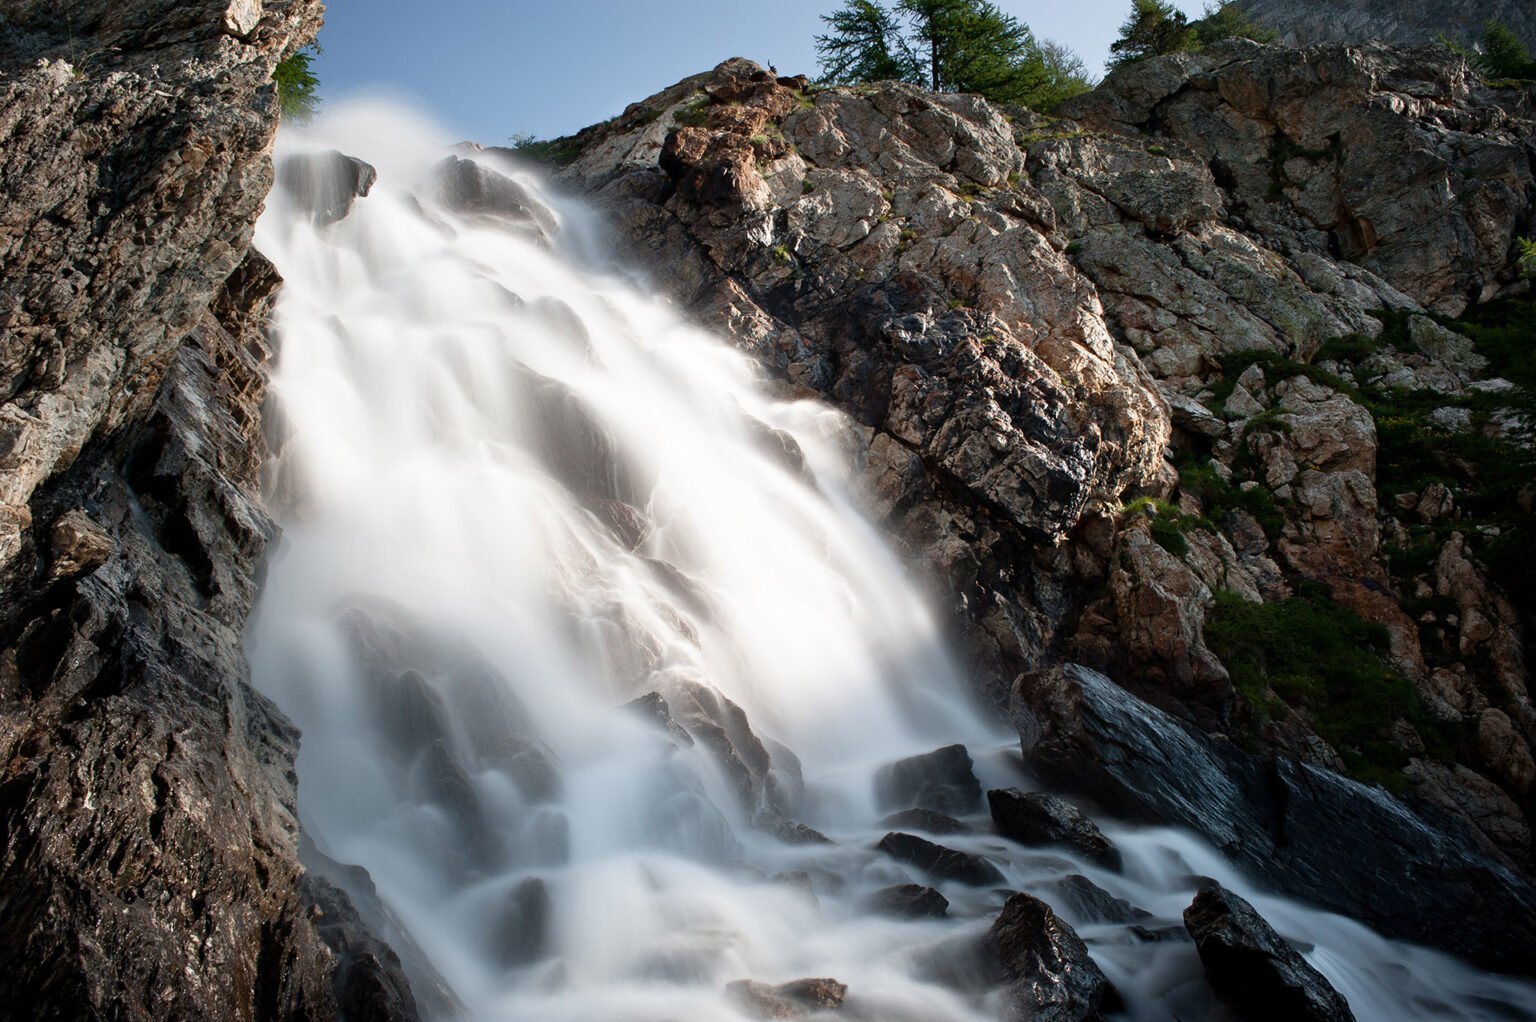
(947, 46)
(864, 45)
(1154, 28)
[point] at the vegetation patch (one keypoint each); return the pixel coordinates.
(1170, 525)
(1314, 653)
(1220, 498)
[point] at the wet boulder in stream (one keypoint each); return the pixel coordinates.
(913, 901)
(1046, 967)
(795, 999)
(1038, 818)
(1254, 970)
(943, 780)
(325, 184)
(937, 860)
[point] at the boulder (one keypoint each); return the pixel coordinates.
(929, 820)
(912, 901)
(1255, 971)
(325, 184)
(1038, 818)
(937, 860)
(1087, 902)
(1045, 965)
(942, 780)
(795, 999)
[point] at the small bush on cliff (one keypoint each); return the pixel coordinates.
(298, 90)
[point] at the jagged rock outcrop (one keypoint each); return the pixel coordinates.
(149, 849)
(1401, 22)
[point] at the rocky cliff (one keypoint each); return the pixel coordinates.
(1399, 22)
(1186, 359)
(148, 843)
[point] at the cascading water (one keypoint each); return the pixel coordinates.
(517, 494)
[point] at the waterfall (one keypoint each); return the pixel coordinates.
(597, 662)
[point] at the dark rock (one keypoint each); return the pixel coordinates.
(1261, 976)
(466, 186)
(326, 184)
(945, 863)
(1087, 902)
(929, 820)
(1038, 818)
(910, 900)
(1080, 732)
(652, 707)
(520, 934)
(942, 780)
(795, 999)
(1046, 967)
(369, 982)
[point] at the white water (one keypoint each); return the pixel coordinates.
(421, 480)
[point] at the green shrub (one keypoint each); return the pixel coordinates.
(298, 90)
(1316, 654)
(1170, 526)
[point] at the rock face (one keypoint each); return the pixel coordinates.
(146, 793)
(1353, 845)
(1252, 968)
(1402, 22)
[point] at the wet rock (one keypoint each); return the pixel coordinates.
(926, 820)
(469, 187)
(943, 780)
(369, 982)
(937, 860)
(520, 931)
(1038, 818)
(796, 999)
(1252, 968)
(1082, 733)
(653, 708)
(1049, 975)
(1087, 902)
(912, 901)
(325, 184)
(149, 838)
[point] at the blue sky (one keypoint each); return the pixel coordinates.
(491, 68)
